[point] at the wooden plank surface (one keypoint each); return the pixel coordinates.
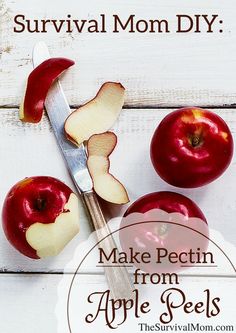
(157, 69)
(130, 163)
(28, 303)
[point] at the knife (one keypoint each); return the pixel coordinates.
(58, 110)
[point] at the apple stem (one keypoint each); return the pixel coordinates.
(40, 204)
(195, 141)
(163, 229)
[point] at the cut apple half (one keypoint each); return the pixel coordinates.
(47, 216)
(96, 116)
(49, 239)
(100, 146)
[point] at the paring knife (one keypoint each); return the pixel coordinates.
(58, 110)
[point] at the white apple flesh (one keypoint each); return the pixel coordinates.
(96, 116)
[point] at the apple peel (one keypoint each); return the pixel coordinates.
(100, 147)
(96, 116)
(38, 84)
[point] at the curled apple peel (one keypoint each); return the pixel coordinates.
(100, 146)
(38, 84)
(96, 116)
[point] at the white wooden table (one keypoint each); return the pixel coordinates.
(160, 72)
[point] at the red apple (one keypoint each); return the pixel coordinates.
(157, 229)
(191, 147)
(170, 202)
(40, 216)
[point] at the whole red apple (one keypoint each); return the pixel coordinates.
(40, 216)
(156, 229)
(191, 147)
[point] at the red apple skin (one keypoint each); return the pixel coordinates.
(191, 147)
(146, 236)
(39, 82)
(170, 202)
(35, 199)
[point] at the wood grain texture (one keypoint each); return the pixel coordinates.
(156, 69)
(28, 303)
(130, 162)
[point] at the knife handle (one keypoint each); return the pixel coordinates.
(117, 277)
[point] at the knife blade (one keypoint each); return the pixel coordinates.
(58, 110)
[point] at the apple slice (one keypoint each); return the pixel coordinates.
(96, 116)
(38, 84)
(100, 146)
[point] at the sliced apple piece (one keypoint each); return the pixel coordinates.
(96, 116)
(38, 84)
(100, 146)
